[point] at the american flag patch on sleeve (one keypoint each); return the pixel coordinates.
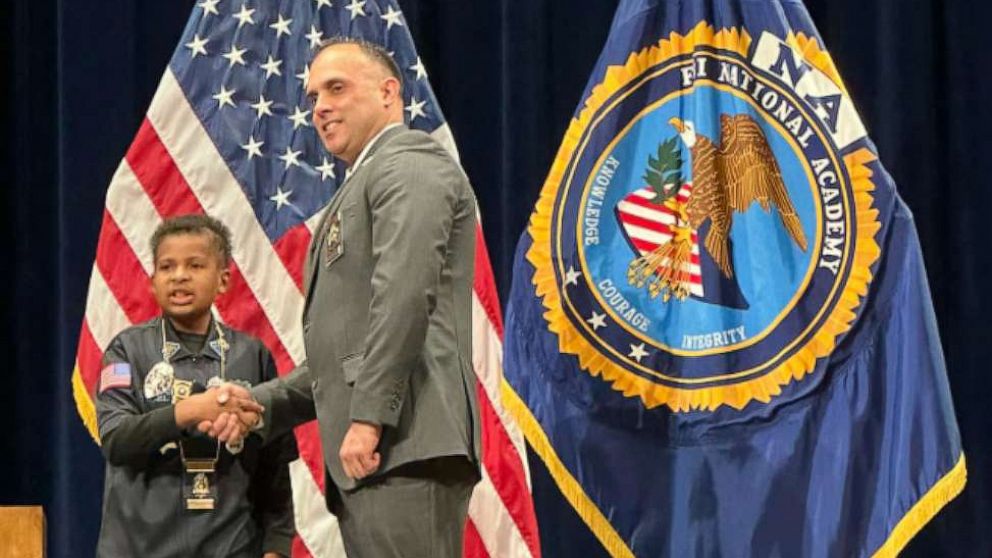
(115, 375)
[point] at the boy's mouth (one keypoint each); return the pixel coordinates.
(180, 298)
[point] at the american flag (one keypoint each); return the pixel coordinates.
(228, 133)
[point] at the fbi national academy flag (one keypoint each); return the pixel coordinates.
(720, 339)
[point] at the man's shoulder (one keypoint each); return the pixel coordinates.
(406, 141)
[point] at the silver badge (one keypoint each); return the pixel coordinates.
(333, 243)
(214, 382)
(158, 382)
(169, 349)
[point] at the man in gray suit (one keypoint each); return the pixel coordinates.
(386, 322)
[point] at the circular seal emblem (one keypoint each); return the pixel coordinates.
(706, 231)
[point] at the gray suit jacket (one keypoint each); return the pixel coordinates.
(387, 321)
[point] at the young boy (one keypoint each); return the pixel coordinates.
(171, 491)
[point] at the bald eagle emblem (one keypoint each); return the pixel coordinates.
(726, 179)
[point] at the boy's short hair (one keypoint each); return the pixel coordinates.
(195, 224)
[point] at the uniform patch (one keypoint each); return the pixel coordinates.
(115, 375)
(158, 382)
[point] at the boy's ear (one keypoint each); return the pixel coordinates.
(225, 278)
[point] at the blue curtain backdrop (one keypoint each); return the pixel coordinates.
(78, 77)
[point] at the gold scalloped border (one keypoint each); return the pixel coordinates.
(816, 57)
(737, 395)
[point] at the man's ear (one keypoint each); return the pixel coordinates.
(391, 91)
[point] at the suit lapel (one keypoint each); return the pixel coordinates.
(312, 265)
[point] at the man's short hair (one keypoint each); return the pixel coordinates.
(220, 236)
(376, 52)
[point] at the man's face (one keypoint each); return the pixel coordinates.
(188, 277)
(353, 99)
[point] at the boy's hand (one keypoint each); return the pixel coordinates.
(241, 414)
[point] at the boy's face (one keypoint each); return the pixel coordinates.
(188, 277)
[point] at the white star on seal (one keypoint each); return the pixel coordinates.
(289, 158)
(253, 147)
(637, 352)
(281, 198)
(262, 107)
(572, 276)
(235, 56)
(224, 97)
(416, 108)
(392, 17)
(356, 7)
(326, 169)
(281, 26)
(244, 16)
(299, 117)
(271, 66)
(197, 46)
(597, 320)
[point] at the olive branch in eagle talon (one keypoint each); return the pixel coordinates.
(725, 179)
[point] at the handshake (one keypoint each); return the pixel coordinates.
(227, 413)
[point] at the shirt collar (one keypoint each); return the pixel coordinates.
(360, 160)
(176, 350)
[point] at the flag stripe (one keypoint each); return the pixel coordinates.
(638, 221)
(485, 284)
(500, 534)
(158, 174)
(289, 252)
(104, 315)
(505, 471)
(474, 548)
(645, 211)
(134, 213)
(648, 235)
(316, 526)
(119, 268)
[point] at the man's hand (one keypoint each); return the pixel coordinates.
(358, 455)
(272, 555)
(239, 413)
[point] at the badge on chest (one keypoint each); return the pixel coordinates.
(334, 242)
